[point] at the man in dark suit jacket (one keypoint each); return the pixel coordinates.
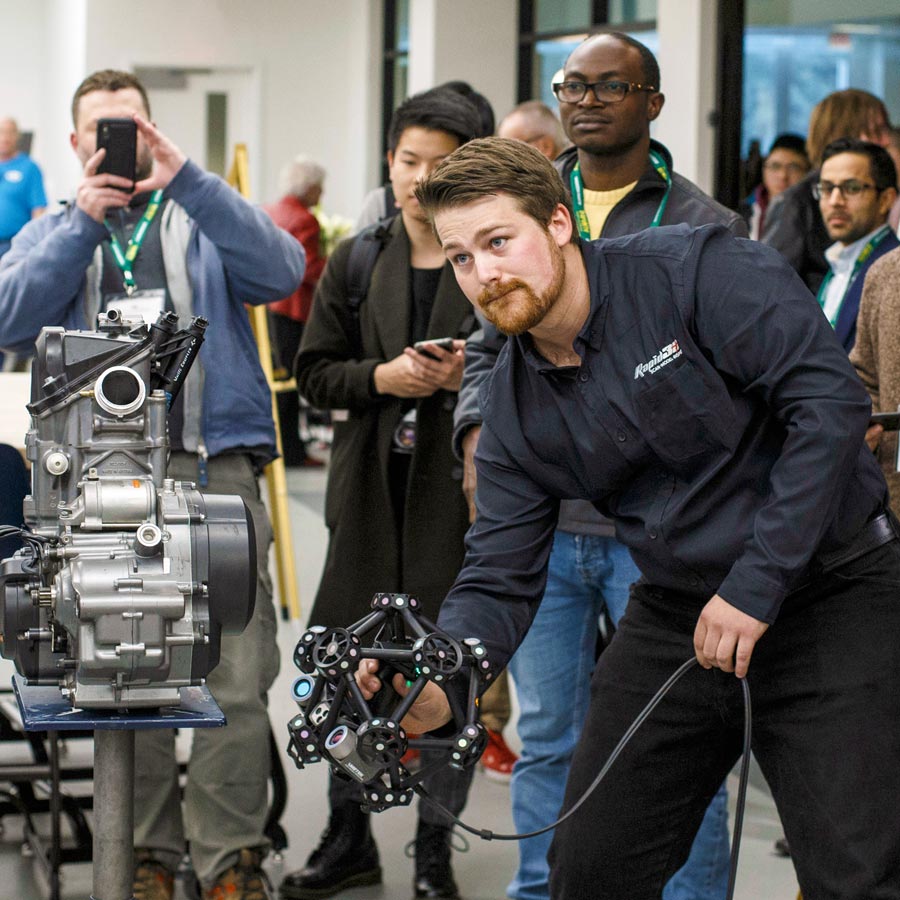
(856, 189)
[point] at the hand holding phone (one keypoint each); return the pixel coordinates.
(441, 343)
(889, 421)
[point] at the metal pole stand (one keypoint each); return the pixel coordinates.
(44, 709)
(113, 815)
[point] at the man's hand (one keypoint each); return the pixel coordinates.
(430, 711)
(447, 370)
(167, 158)
(873, 436)
(98, 193)
(405, 376)
(725, 637)
(469, 445)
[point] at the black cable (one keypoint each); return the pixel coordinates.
(488, 835)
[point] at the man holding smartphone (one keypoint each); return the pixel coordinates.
(176, 238)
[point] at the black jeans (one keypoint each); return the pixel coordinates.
(825, 688)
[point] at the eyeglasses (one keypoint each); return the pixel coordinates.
(604, 91)
(852, 188)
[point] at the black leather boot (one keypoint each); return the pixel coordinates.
(434, 877)
(346, 857)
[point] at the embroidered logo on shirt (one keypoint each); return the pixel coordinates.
(14, 176)
(658, 360)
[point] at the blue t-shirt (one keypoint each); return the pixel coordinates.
(21, 191)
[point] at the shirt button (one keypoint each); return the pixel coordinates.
(583, 376)
(622, 436)
(694, 580)
(652, 534)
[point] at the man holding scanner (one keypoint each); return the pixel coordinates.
(687, 384)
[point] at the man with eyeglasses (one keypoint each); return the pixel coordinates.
(621, 181)
(856, 188)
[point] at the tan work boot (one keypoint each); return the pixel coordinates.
(244, 881)
(152, 880)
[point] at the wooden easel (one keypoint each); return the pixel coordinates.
(239, 178)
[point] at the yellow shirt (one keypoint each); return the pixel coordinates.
(597, 205)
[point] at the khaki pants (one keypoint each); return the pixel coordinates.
(225, 798)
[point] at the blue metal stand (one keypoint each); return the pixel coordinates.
(44, 709)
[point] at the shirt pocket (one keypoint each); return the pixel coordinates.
(682, 416)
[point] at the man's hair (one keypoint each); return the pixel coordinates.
(847, 113)
(490, 166)
(789, 141)
(299, 175)
(649, 65)
(107, 80)
(884, 172)
(542, 119)
(438, 109)
(479, 101)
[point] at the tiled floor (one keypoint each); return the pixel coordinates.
(483, 872)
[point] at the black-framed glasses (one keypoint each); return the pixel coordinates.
(604, 91)
(851, 188)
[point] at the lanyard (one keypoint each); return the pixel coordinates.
(864, 255)
(125, 259)
(577, 186)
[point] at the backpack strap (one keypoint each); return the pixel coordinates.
(360, 265)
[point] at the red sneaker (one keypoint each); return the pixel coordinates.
(497, 760)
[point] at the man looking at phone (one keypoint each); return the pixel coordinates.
(394, 509)
(856, 188)
(200, 250)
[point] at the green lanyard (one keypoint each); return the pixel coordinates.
(864, 254)
(577, 186)
(125, 260)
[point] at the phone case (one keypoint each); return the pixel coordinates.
(119, 138)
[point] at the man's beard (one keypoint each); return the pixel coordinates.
(516, 316)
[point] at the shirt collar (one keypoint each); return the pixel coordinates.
(841, 257)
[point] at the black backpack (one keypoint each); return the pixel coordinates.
(360, 265)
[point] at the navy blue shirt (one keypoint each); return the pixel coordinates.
(714, 417)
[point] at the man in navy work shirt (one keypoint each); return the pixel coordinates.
(688, 384)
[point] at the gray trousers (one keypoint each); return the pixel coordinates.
(225, 799)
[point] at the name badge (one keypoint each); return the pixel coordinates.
(146, 305)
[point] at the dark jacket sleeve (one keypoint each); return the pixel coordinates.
(329, 376)
(497, 593)
(482, 349)
(768, 334)
(795, 229)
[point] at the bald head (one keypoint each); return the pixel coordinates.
(9, 138)
(534, 123)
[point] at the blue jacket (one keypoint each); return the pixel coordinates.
(222, 251)
(714, 418)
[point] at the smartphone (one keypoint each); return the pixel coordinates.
(889, 421)
(442, 343)
(119, 138)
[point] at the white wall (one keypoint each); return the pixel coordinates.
(687, 65)
(311, 59)
(468, 40)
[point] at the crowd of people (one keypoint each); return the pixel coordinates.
(646, 439)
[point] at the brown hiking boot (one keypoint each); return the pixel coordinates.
(244, 881)
(152, 880)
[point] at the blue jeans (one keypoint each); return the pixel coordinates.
(552, 671)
